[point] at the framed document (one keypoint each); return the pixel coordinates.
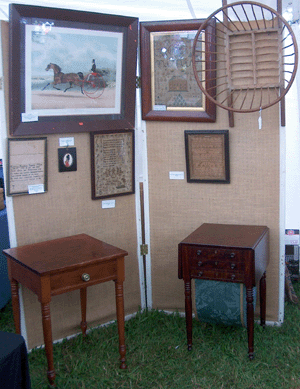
(112, 163)
(71, 71)
(169, 88)
(27, 166)
(207, 156)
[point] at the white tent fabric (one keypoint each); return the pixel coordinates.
(144, 10)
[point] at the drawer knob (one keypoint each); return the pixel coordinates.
(198, 252)
(232, 255)
(232, 265)
(233, 276)
(85, 277)
(200, 263)
(200, 273)
(216, 263)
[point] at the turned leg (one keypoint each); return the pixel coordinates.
(188, 314)
(83, 323)
(262, 298)
(15, 304)
(121, 322)
(46, 318)
(250, 321)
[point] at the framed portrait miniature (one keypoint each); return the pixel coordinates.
(169, 88)
(207, 156)
(112, 163)
(70, 71)
(67, 160)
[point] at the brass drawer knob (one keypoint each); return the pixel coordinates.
(85, 277)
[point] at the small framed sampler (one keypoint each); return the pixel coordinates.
(27, 166)
(112, 163)
(207, 156)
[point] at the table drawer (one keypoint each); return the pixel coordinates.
(217, 275)
(83, 277)
(217, 264)
(196, 253)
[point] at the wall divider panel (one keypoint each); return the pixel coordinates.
(67, 209)
(177, 208)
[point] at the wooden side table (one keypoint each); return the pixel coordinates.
(229, 253)
(62, 265)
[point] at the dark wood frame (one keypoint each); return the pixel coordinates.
(24, 14)
(94, 167)
(225, 162)
(61, 154)
(24, 140)
(146, 28)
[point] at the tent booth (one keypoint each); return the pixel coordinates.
(164, 209)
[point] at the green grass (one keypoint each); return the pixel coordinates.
(157, 355)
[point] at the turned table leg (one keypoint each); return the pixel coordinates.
(83, 323)
(121, 322)
(262, 298)
(188, 313)
(46, 318)
(250, 321)
(14, 286)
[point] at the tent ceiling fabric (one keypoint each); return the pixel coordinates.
(144, 10)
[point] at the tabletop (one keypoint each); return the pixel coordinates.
(227, 235)
(57, 255)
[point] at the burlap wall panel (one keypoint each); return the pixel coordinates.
(177, 208)
(67, 209)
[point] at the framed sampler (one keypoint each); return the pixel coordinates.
(207, 156)
(60, 81)
(112, 163)
(169, 88)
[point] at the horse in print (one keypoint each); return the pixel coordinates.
(62, 78)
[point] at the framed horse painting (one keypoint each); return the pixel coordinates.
(70, 71)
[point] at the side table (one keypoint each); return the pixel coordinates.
(229, 253)
(61, 265)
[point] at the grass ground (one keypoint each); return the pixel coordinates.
(157, 355)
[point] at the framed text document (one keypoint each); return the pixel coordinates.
(27, 166)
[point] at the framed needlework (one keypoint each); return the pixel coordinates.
(112, 163)
(169, 88)
(207, 156)
(70, 71)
